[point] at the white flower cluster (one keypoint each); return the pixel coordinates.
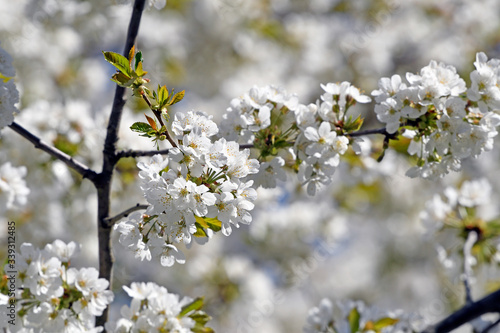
(13, 189)
(154, 309)
(251, 112)
(441, 208)
(9, 96)
(199, 188)
(443, 124)
(355, 317)
(321, 140)
(313, 135)
(52, 296)
(458, 209)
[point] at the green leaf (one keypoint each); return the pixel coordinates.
(353, 318)
(120, 62)
(141, 127)
(193, 306)
(200, 232)
(162, 95)
(139, 71)
(4, 78)
(138, 59)
(122, 79)
(384, 322)
(200, 317)
(201, 329)
(209, 223)
(131, 53)
(177, 97)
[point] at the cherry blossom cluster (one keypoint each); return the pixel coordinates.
(197, 189)
(9, 96)
(445, 120)
(154, 309)
(459, 210)
(13, 189)
(306, 138)
(53, 297)
(354, 317)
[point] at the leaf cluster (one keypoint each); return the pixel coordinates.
(130, 73)
(193, 311)
(354, 318)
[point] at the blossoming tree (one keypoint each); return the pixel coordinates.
(202, 177)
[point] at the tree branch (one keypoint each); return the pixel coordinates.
(103, 181)
(489, 304)
(79, 167)
(139, 153)
(125, 213)
(369, 132)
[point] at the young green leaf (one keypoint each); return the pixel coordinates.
(384, 322)
(200, 232)
(177, 97)
(209, 223)
(121, 79)
(138, 59)
(4, 78)
(120, 62)
(193, 306)
(131, 56)
(354, 318)
(200, 329)
(201, 318)
(139, 71)
(141, 127)
(162, 95)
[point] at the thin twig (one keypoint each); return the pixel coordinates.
(125, 213)
(166, 133)
(157, 114)
(139, 153)
(79, 167)
(369, 132)
(469, 243)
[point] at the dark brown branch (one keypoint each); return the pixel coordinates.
(489, 304)
(79, 167)
(103, 181)
(125, 213)
(369, 132)
(139, 153)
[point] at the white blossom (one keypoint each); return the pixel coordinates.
(13, 190)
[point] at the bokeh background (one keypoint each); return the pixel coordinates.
(360, 238)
